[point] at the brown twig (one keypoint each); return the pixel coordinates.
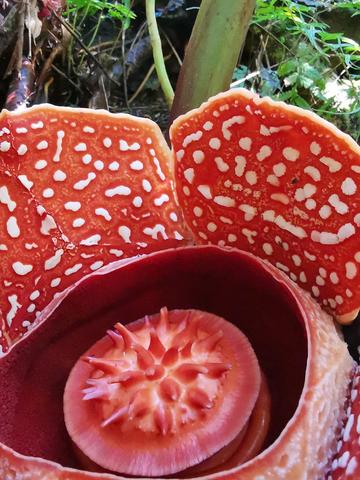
(68, 79)
(85, 48)
(47, 65)
(139, 35)
(145, 79)
(177, 56)
(142, 84)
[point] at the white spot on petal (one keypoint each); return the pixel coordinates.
(22, 269)
(240, 165)
(120, 190)
(78, 222)
(114, 166)
(315, 148)
(137, 201)
(12, 227)
(80, 147)
(264, 152)
(214, 143)
(291, 154)
(43, 145)
(189, 174)
(205, 191)
(5, 146)
(221, 165)
(161, 200)
(245, 143)
(136, 165)
(125, 233)
(224, 201)
(93, 240)
(348, 186)
(73, 206)
(102, 212)
(59, 176)
(198, 156)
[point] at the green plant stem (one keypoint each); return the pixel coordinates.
(71, 44)
(212, 53)
(158, 53)
(84, 15)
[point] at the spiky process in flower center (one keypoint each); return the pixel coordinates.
(158, 377)
(162, 394)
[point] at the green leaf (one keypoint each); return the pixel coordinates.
(119, 11)
(301, 102)
(285, 96)
(291, 79)
(311, 72)
(240, 73)
(287, 67)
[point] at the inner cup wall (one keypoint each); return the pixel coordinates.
(227, 283)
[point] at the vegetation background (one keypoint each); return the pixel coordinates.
(98, 53)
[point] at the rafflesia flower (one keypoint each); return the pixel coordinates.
(244, 238)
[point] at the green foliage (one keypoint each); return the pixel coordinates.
(120, 11)
(92, 21)
(302, 58)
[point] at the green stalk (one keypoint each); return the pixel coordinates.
(158, 53)
(212, 53)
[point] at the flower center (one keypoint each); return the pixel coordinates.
(158, 378)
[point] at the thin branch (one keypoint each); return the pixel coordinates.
(81, 43)
(68, 79)
(28, 19)
(145, 79)
(123, 57)
(142, 84)
(177, 56)
(102, 86)
(48, 62)
(158, 53)
(245, 79)
(274, 37)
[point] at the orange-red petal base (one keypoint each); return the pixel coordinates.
(307, 383)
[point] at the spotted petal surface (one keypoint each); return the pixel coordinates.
(78, 189)
(277, 181)
(346, 464)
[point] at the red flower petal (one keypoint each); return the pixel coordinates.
(24, 246)
(273, 313)
(277, 181)
(346, 465)
(89, 188)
